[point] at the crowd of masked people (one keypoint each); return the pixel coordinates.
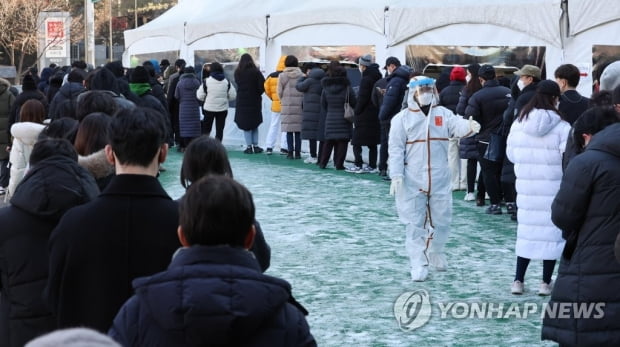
(81, 150)
(93, 251)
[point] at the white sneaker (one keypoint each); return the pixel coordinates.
(368, 169)
(517, 287)
(545, 289)
(354, 169)
(486, 196)
(470, 197)
(310, 160)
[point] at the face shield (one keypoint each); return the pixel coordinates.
(422, 90)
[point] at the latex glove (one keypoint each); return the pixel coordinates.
(396, 184)
(473, 125)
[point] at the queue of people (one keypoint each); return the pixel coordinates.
(555, 174)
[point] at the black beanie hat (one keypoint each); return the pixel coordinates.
(28, 83)
(548, 87)
(139, 75)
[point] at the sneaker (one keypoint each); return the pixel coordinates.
(283, 151)
(257, 149)
(517, 287)
(355, 169)
(370, 170)
(545, 289)
(248, 150)
(2, 190)
(269, 151)
(469, 197)
(494, 209)
(511, 208)
(310, 160)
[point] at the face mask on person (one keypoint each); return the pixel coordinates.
(521, 84)
(468, 78)
(425, 98)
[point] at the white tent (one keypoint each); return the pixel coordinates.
(389, 27)
(591, 23)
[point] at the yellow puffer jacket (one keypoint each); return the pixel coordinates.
(271, 86)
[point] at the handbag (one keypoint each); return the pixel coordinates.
(349, 112)
(496, 150)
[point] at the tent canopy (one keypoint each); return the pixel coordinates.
(367, 14)
(537, 18)
(598, 12)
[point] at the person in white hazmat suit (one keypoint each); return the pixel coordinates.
(418, 162)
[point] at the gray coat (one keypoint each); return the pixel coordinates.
(290, 99)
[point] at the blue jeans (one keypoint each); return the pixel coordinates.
(251, 137)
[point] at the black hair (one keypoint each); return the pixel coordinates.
(180, 63)
(104, 79)
(204, 156)
(245, 63)
(539, 101)
(47, 147)
(474, 84)
(568, 72)
(136, 135)
(62, 128)
(216, 67)
(592, 121)
(335, 69)
(95, 101)
(291, 61)
(601, 98)
(92, 134)
(80, 64)
(216, 210)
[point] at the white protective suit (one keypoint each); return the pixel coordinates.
(418, 155)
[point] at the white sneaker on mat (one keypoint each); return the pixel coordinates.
(470, 197)
(517, 287)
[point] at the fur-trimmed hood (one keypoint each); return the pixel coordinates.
(97, 164)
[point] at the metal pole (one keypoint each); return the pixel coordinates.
(89, 32)
(135, 13)
(111, 42)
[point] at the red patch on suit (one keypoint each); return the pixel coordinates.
(438, 121)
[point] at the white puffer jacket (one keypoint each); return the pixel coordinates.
(535, 146)
(25, 135)
(218, 94)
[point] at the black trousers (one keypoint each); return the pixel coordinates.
(220, 121)
(383, 152)
(340, 153)
(372, 156)
(312, 145)
(491, 173)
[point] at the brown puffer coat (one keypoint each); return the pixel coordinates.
(291, 99)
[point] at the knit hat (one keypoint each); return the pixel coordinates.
(529, 70)
(73, 337)
(487, 72)
(365, 60)
(610, 78)
(139, 75)
(28, 83)
(458, 74)
(548, 87)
